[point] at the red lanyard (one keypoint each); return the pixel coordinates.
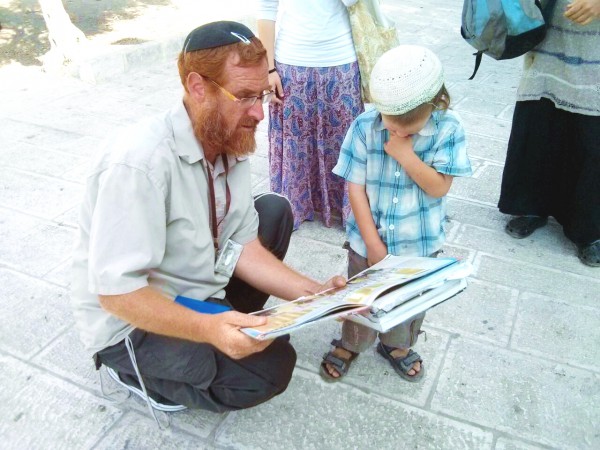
(214, 224)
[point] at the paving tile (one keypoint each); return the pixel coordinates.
(35, 194)
(42, 411)
(479, 105)
(335, 235)
(39, 160)
(60, 275)
(33, 134)
(468, 212)
(483, 187)
(556, 284)
(40, 250)
(557, 330)
(483, 311)
(316, 259)
(78, 174)
(69, 218)
(13, 226)
(34, 313)
(309, 416)
(486, 148)
(66, 357)
(137, 431)
(371, 372)
(510, 444)
(86, 146)
(546, 247)
(509, 392)
(490, 126)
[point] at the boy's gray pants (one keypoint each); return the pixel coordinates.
(358, 338)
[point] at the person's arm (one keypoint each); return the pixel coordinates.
(266, 33)
(150, 311)
(583, 12)
(427, 178)
(376, 249)
(263, 271)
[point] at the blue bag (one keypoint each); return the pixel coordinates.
(504, 29)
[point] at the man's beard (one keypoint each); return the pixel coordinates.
(211, 129)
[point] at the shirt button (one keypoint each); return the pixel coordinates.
(397, 174)
(391, 227)
(395, 200)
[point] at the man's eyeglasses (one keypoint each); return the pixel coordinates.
(246, 102)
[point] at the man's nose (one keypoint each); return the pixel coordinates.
(256, 111)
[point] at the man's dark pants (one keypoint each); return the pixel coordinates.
(200, 376)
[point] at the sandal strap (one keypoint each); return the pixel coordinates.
(337, 343)
(340, 364)
(407, 362)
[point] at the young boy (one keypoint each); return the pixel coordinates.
(399, 161)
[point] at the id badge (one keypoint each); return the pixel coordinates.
(227, 258)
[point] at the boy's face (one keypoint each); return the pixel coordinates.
(404, 130)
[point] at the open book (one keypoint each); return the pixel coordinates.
(370, 295)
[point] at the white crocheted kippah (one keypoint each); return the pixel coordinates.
(405, 77)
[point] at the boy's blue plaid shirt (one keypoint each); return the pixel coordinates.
(409, 221)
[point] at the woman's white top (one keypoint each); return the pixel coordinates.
(310, 33)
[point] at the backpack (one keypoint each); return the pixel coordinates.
(504, 29)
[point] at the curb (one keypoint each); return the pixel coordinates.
(112, 62)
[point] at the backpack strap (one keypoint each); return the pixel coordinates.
(478, 57)
(547, 10)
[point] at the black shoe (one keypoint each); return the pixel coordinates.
(590, 254)
(522, 226)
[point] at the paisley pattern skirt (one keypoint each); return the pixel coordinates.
(305, 136)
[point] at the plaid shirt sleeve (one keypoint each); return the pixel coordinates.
(352, 162)
(450, 147)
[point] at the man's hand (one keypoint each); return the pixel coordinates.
(376, 252)
(275, 83)
(334, 282)
(399, 147)
(583, 12)
(227, 337)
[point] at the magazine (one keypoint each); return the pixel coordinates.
(393, 277)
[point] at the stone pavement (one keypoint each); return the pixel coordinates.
(513, 362)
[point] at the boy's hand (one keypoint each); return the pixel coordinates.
(583, 12)
(398, 147)
(376, 252)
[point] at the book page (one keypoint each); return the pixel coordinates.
(359, 293)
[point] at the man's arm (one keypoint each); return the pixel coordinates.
(262, 270)
(150, 311)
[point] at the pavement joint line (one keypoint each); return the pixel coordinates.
(436, 380)
(472, 200)
(538, 266)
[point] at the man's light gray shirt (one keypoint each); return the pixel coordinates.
(145, 221)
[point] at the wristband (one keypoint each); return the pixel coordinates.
(272, 70)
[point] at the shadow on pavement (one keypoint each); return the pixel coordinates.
(23, 33)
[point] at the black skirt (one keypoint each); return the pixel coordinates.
(553, 168)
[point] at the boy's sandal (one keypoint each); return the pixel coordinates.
(403, 365)
(590, 254)
(341, 365)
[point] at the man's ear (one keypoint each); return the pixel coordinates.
(195, 86)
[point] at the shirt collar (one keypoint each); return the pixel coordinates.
(186, 145)
(428, 129)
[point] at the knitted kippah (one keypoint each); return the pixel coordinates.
(405, 77)
(217, 34)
